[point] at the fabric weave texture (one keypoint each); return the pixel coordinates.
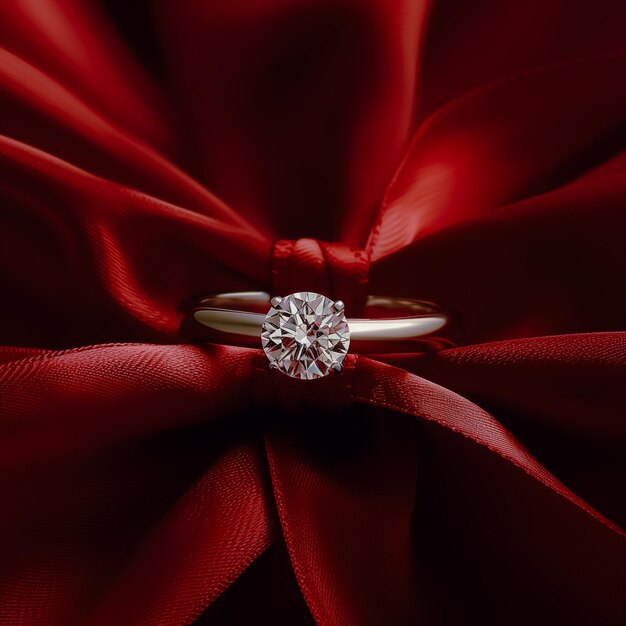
(465, 152)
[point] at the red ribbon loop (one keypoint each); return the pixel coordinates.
(332, 269)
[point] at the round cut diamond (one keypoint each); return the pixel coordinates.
(305, 335)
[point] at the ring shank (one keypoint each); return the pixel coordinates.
(222, 315)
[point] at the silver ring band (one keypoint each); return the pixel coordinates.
(223, 317)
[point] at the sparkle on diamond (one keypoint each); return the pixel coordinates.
(304, 336)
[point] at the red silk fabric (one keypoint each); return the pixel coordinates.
(468, 153)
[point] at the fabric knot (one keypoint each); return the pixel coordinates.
(332, 269)
(338, 272)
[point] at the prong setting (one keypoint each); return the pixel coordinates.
(305, 336)
(275, 301)
(339, 306)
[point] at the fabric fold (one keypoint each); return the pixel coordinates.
(360, 525)
(36, 110)
(567, 382)
(145, 481)
(73, 42)
(467, 159)
(542, 266)
(218, 528)
(388, 387)
(71, 404)
(133, 491)
(108, 263)
(345, 494)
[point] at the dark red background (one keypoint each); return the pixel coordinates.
(470, 153)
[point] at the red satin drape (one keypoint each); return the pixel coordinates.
(465, 152)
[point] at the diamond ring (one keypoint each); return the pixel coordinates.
(307, 335)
